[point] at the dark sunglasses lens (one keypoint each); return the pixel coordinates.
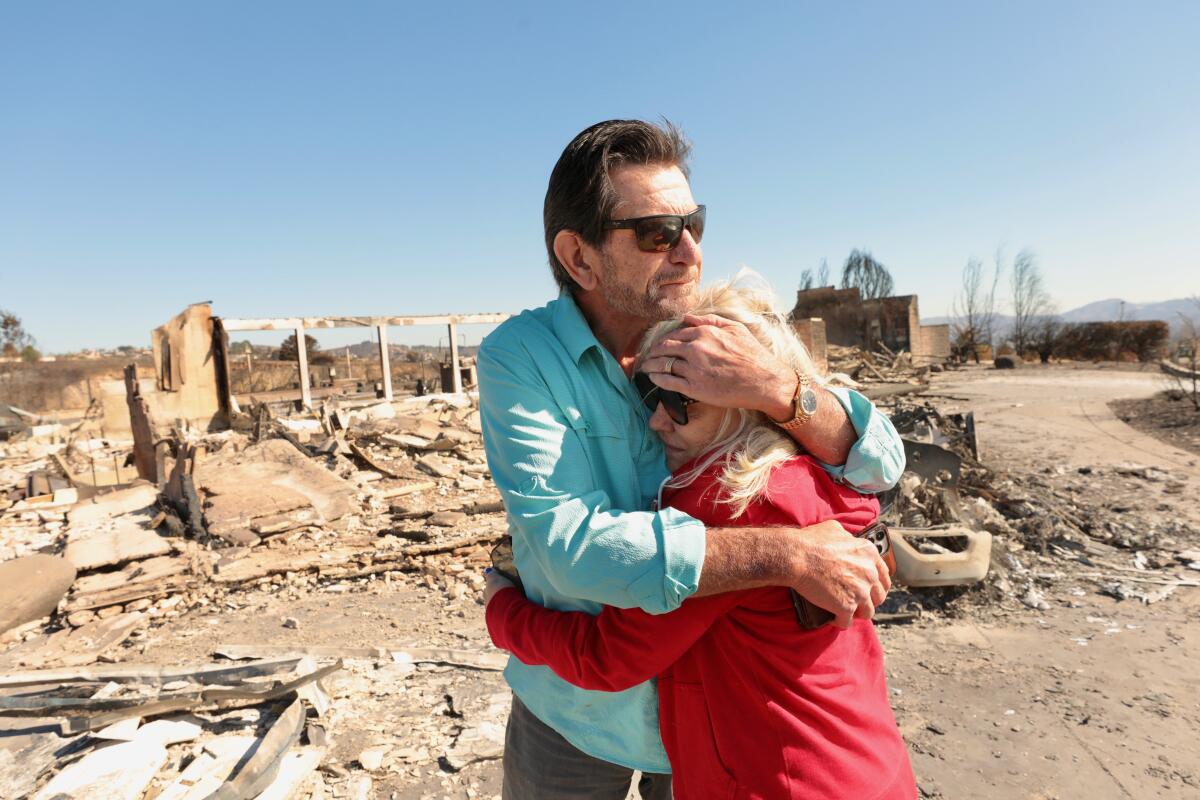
(676, 409)
(652, 394)
(658, 234)
(646, 389)
(696, 224)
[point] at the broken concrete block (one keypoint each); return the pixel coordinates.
(117, 547)
(119, 772)
(405, 440)
(436, 466)
(113, 504)
(122, 731)
(208, 771)
(447, 519)
(371, 759)
(170, 731)
(469, 484)
(459, 437)
(950, 566)
(152, 569)
(294, 772)
(78, 619)
(377, 411)
(31, 588)
(69, 496)
(269, 487)
(76, 647)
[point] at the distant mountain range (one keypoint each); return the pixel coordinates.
(1114, 309)
(1169, 311)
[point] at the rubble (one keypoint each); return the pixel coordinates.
(318, 501)
(31, 587)
(924, 559)
(1039, 530)
(109, 753)
(877, 373)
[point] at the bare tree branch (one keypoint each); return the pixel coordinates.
(870, 277)
(823, 273)
(1029, 298)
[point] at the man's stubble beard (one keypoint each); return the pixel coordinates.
(649, 306)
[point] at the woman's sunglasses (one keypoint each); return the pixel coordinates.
(652, 394)
(661, 232)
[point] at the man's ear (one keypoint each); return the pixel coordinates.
(578, 258)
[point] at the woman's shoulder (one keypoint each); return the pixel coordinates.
(802, 489)
(798, 472)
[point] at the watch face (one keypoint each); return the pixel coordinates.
(808, 402)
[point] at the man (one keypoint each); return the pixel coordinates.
(569, 449)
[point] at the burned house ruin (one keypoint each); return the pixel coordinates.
(847, 320)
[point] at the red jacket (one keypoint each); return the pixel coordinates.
(750, 704)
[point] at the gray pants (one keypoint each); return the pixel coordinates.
(539, 764)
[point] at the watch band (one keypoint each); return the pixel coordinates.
(799, 415)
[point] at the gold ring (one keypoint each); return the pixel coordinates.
(670, 365)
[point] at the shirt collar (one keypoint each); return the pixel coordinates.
(571, 327)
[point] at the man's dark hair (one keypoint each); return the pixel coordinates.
(581, 197)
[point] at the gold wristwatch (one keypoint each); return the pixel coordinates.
(804, 404)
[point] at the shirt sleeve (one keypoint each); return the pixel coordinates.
(876, 461)
(610, 652)
(585, 548)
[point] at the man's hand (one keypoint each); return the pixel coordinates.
(493, 583)
(839, 573)
(823, 563)
(719, 362)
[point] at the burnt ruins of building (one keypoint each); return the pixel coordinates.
(851, 321)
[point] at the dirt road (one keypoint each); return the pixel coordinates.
(1059, 415)
(1092, 698)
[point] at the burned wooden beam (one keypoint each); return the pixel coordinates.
(151, 674)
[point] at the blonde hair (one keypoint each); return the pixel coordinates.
(750, 443)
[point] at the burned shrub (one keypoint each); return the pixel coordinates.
(1113, 341)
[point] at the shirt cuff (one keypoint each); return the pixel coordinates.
(681, 541)
(876, 461)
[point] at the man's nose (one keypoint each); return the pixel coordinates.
(687, 251)
(660, 421)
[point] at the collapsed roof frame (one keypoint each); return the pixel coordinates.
(380, 324)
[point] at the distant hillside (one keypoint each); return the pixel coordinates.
(1108, 310)
(1168, 311)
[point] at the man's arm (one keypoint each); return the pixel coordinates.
(822, 562)
(585, 548)
(720, 362)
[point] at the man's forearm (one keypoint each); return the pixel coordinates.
(746, 558)
(826, 565)
(829, 435)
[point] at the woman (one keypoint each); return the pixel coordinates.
(751, 705)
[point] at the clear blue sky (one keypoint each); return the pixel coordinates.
(391, 158)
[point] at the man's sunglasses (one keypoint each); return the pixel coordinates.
(652, 394)
(661, 232)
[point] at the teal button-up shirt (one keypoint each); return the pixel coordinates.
(570, 449)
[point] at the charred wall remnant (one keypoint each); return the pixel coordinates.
(851, 321)
(187, 370)
(812, 333)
